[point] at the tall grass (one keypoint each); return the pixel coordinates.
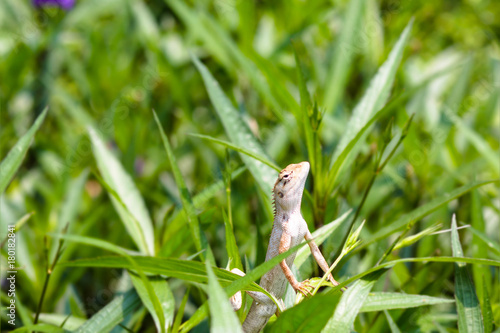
(130, 219)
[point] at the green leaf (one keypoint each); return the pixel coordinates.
(144, 287)
(223, 318)
(376, 95)
(344, 54)
(392, 325)
(469, 311)
(187, 202)
(241, 284)
(231, 246)
(476, 140)
(379, 301)
(311, 315)
(312, 141)
(239, 133)
(192, 271)
(421, 211)
(164, 296)
(239, 149)
(71, 323)
(351, 302)
(14, 158)
(389, 264)
(494, 246)
(487, 310)
(319, 237)
(112, 314)
(138, 225)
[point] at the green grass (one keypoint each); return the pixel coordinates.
(129, 219)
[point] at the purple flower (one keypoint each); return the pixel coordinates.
(64, 4)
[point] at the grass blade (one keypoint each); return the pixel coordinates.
(112, 314)
(420, 212)
(476, 140)
(311, 315)
(469, 311)
(140, 227)
(14, 158)
(376, 94)
(388, 301)
(223, 318)
(392, 325)
(319, 237)
(350, 303)
(231, 246)
(164, 296)
(344, 54)
(187, 202)
(238, 131)
(239, 149)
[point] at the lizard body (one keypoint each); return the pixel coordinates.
(289, 229)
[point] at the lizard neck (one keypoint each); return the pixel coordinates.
(288, 205)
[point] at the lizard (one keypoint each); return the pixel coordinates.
(289, 228)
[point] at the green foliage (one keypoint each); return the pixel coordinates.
(394, 104)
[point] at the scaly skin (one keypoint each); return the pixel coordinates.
(289, 229)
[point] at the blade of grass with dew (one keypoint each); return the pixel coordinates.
(379, 301)
(239, 149)
(376, 95)
(140, 227)
(187, 202)
(112, 314)
(11, 163)
(223, 318)
(351, 302)
(343, 56)
(420, 212)
(468, 308)
(239, 133)
(311, 315)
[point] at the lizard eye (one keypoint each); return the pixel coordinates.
(286, 176)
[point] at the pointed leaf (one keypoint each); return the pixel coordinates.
(14, 158)
(237, 130)
(469, 311)
(350, 303)
(223, 318)
(140, 227)
(376, 95)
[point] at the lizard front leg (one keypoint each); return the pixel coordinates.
(318, 256)
(284, 246)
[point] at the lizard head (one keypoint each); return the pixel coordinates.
(287, 191)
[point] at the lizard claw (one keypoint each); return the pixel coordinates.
(303, 287)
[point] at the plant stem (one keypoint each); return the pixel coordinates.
(48, 275)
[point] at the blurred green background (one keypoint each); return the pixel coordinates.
(107, 64)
